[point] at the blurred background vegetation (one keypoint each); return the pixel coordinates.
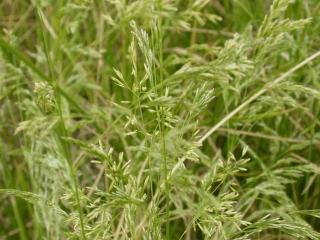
(103, 103)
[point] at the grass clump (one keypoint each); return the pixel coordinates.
(153, 119)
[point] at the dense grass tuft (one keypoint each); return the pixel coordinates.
(159, 119)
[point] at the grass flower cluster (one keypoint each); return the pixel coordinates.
(159, 119)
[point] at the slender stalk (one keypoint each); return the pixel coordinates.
(62, 131)
(257, 95)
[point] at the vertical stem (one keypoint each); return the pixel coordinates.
(61, 131)
(162, 126)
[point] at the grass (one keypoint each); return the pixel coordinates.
(159, 119)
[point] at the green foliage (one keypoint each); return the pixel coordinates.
(149, 119)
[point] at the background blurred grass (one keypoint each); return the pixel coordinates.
(103, 104)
